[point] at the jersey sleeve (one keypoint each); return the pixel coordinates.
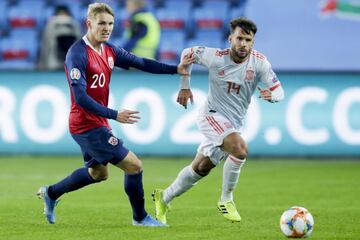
(270, 80)
(203, 55)
(75, 63)
(125, 60)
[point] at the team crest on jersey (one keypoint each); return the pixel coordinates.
(75, 74)
(113, 141)
(249, 76)
(111, 62)
(221, 73)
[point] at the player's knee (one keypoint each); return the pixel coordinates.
(99, 176)
(134, 168)
(202, 172)
(203, 169)
(239, 151)
(102, 178)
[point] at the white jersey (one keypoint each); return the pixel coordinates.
(231, 85)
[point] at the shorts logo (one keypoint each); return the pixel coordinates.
(111, 62)
(227, 124)
(75, 74)
(113, 141)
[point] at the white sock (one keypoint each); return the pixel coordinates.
(231, 173)
(186, 178)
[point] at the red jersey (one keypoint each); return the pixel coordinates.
(88, 73)
(89, 68)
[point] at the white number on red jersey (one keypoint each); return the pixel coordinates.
(98, 80)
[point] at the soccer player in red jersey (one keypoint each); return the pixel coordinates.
(89, 64)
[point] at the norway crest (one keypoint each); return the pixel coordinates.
(113, 141)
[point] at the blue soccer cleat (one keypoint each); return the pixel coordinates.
(149, 221)
(49, 204)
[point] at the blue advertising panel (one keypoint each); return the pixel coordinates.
(320, 115)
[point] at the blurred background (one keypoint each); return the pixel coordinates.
(313, 45)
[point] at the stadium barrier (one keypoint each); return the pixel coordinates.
(319, 117)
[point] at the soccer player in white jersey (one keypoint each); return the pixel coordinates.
(234, 75)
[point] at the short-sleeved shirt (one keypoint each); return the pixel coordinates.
(231, 84)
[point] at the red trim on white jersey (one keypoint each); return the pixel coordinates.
(258, 55)
(222, 53)
(275, 87)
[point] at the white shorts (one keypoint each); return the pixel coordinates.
(215, 127)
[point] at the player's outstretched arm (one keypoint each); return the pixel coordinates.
(127, 60)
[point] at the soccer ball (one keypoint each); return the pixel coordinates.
(297, 222)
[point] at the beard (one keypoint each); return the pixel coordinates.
(240, 55)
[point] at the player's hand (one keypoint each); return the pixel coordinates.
(127, 116)
(265, 94)
(183, 97)
(186, 61)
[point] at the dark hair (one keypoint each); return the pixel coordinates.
(244, 23)
(62, 8)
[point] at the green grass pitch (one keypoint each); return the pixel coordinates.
(329, 189)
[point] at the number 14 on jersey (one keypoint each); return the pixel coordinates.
(233, 87)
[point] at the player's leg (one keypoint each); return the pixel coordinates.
(92, 145)
(226, 139)
(186, 179)
(209, 155)
(237, 148)
(133, 185)
(77, 179)
(235, 145)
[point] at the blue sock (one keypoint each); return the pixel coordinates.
(78, 179)
(134, 189)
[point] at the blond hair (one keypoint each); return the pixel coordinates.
(96, 8)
